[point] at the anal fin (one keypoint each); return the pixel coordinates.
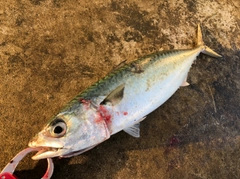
(185, 83)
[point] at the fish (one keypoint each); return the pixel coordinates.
(120, 101)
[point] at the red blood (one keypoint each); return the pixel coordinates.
(105, 114)
(174, 141)
(125, 113)
(83, 100)
(86, 103)
(99, 118)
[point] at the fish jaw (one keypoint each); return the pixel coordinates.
(47, 153)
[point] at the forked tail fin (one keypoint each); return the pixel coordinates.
(206, 50)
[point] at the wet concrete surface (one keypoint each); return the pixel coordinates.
(51, 50)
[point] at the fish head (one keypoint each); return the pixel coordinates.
(70, 133)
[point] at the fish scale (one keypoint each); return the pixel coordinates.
(120, 101)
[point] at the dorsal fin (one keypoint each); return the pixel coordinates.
(120, 65)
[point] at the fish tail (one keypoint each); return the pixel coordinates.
(206, 50)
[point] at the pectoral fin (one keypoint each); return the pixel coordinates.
(133, 130)
(115, 96)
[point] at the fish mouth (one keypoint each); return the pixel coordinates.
(49, 148)
(48, 152)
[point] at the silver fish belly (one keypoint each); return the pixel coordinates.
(118, 102)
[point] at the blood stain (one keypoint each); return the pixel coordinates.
(105, 114)
(125, 113)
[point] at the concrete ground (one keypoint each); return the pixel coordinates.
(50, 50)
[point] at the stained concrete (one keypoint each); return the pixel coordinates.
(50, 50)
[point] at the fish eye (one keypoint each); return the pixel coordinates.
(58, 128)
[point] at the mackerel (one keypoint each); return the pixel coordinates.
(120, 101)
